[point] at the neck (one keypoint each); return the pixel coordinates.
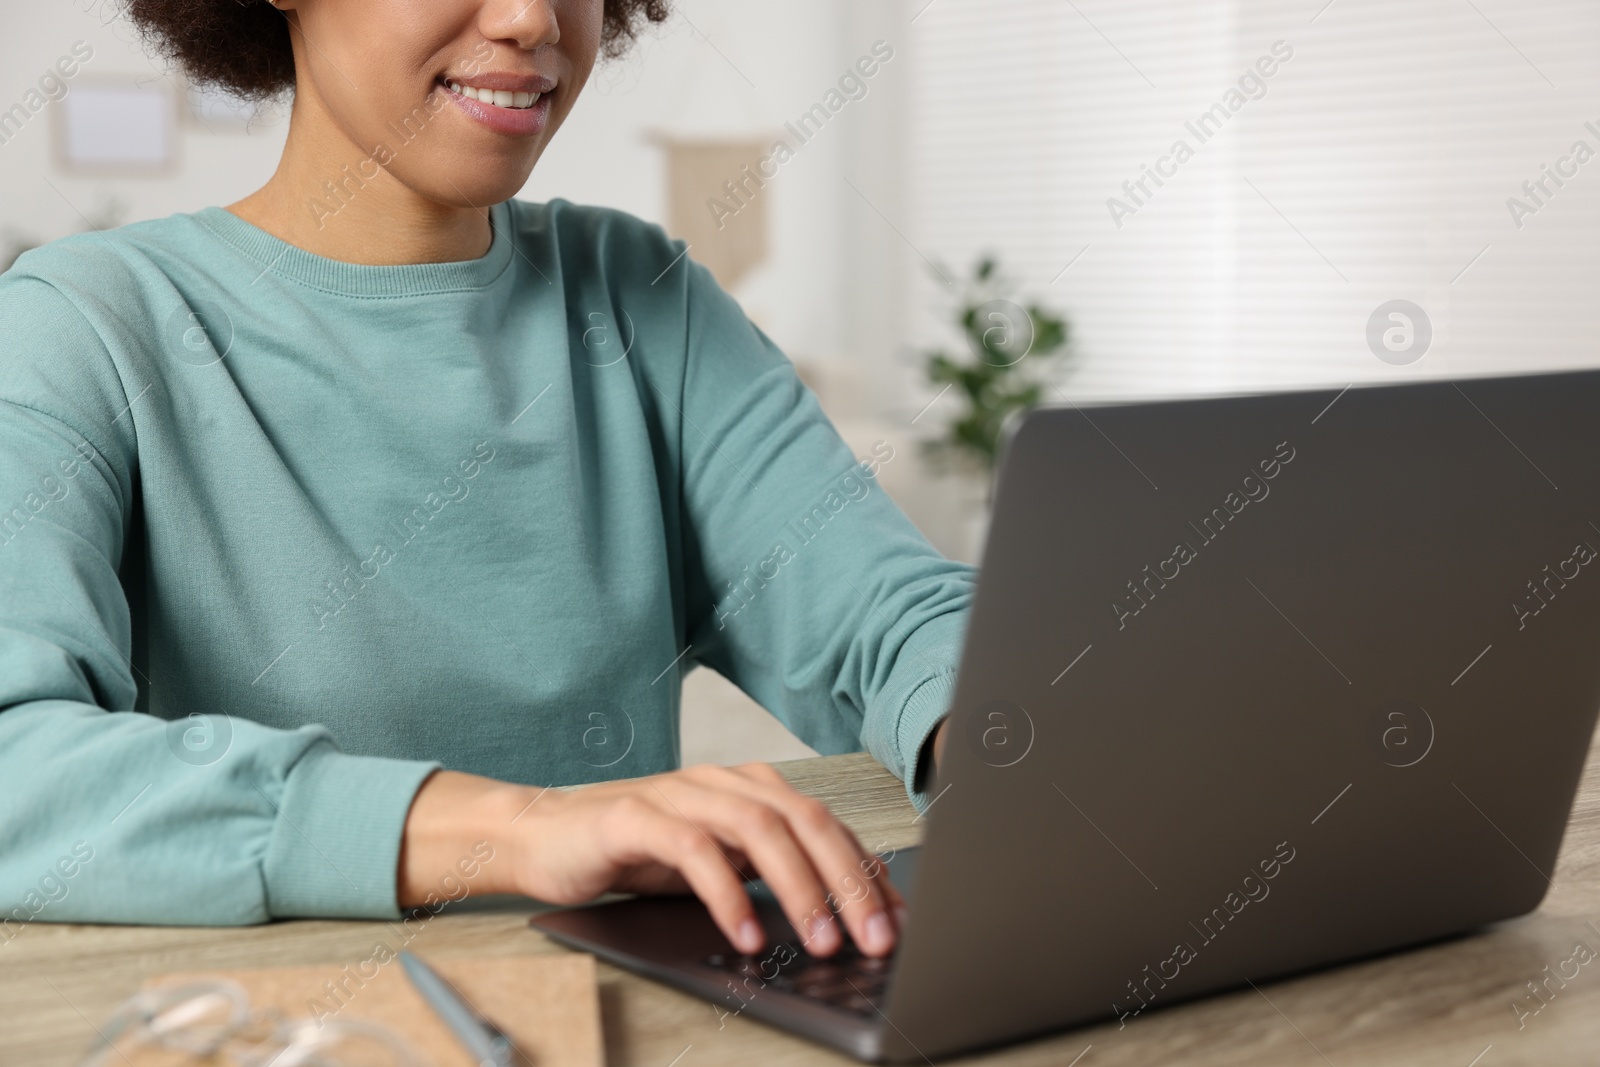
(331, 198)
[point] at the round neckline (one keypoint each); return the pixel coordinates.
(276, 256)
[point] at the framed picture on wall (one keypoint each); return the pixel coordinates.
(117, 127)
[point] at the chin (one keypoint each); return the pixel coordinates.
(478, 190)
(466, 175)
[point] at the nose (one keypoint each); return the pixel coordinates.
(530, 23)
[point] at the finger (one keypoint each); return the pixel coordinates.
(873, 863)
(860, 891)
(860, 875)
(878, 869)
(763, 834)
(636, 830)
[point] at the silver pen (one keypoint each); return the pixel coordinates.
(489, 1045)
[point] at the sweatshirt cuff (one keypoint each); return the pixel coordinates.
(914, 700)
(335, 846)
(924, 710)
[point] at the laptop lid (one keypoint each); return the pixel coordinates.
(1253, 684)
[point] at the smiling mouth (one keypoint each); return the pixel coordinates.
(495, 97)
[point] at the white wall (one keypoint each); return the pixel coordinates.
(214, 168)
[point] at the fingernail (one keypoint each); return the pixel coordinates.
(824, 936)
(751, 939)
(879, 935)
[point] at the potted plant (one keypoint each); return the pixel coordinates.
(1001, 373)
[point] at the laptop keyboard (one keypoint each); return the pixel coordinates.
(846, 980)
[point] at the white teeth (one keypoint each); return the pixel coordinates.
(496, 97)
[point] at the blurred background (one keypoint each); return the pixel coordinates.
(1023, 202)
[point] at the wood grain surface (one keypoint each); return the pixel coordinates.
(1447, 1005)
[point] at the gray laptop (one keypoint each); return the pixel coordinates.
(1252, 685)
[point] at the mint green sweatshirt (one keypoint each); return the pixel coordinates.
(280, 535)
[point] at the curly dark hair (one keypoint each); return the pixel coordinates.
(242, 46)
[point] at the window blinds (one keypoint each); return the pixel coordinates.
(1220, 195)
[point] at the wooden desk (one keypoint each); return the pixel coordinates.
(1442, 1005)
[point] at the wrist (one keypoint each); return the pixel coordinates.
(458, 839)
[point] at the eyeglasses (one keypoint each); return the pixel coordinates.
(212, 1021)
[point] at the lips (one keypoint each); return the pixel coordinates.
(517, 105)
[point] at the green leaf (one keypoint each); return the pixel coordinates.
(989, 382)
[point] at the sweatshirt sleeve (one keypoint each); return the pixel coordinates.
(108, 814)
(810, 590)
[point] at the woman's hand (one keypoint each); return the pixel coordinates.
(705, 829)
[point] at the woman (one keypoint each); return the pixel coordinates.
(345, 514)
